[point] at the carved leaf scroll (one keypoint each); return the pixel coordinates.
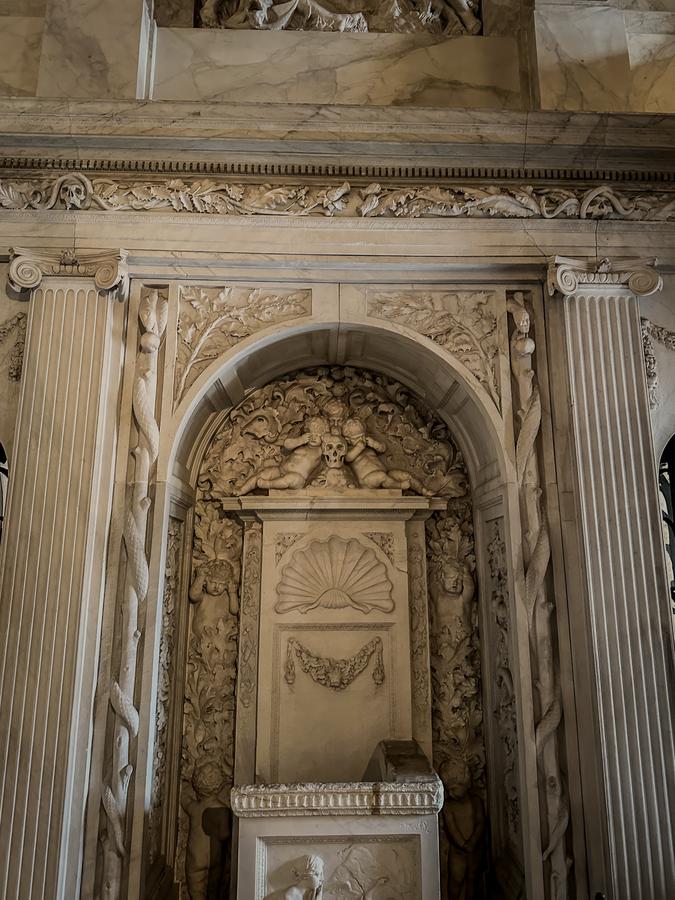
(16, 326)
(462, 322)
(212, 320)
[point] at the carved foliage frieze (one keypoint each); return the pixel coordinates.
(308, 428)
(204, 196)
(212, 320)
(14, 329)
(650, 333)
(334, 574)
(462, 322)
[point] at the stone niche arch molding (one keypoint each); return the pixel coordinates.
(341, 330)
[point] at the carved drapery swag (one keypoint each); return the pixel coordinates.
(453, 17)
(536, 593)
(336, 674)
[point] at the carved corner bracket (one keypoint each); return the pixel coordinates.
(567, 276)
(108, 268)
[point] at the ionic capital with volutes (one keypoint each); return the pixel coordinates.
(573, 276)
(108, 268)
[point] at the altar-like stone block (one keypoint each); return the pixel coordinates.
(334, 673)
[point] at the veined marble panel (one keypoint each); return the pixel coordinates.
(583, 58)
(22, 7)
(652, 58)
(378, 69)
(20, 38)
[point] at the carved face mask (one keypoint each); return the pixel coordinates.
(334, 450)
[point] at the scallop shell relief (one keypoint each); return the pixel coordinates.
(335, 574)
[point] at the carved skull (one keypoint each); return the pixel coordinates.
(73, 194)
(334, 451)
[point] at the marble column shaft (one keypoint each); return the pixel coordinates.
(54, 547)
(627, 596)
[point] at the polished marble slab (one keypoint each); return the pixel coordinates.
(20, 40)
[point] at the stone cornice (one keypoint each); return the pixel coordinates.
(569, 276)
(417, 798)
(108, 268)
(75, 191)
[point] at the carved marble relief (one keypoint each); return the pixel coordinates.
(14, 329)
(204, 196)
(454, 17)
(166, 671)
(207, 760)
(280, 438)
(335, 574)
(336, 674)
(505, 707)
(537, 594)
(211, 320)
(462, 322)
(650, 333)
(457, 716)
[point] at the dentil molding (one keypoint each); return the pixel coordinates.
(418, 798)
(567, 276)
(108, 268)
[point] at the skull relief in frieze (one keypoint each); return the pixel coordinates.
(332, 429)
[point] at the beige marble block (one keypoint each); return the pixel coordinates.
(582, 58)
(297, 67)
(20, 40)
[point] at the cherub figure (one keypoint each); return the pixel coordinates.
(464, 820)
(215, 586)
(296, 469)
(366, 465)
(206, 804)
(453, 592)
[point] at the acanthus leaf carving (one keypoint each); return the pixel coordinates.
(336, 674)
(75, 191)
(16, 325)
(462, 322)
(212, 320)
(334, 574)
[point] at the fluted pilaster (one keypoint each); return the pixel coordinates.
(54, 545)
(627, 598)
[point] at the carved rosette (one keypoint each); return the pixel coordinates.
(109, 269)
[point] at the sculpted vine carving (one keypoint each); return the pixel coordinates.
(384, 540)
(75, 191)
(651, 333)
(212, 320)
(408, 16)
(334, 574)
(152, 316)
(165, 674)
(17, 326)
(538, 603)
(419, 635)
(208, 724)
(462, 322)
(303, 430)
(505, 709)
(457, 716)
(336, 674)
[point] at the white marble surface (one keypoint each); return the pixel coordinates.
(582, 57)
(295, 67)
(20, 40)
(89, 52)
